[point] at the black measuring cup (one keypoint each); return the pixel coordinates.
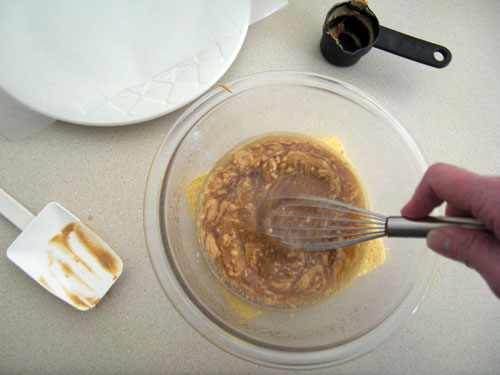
(351, 30)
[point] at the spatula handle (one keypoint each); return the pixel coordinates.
(14, 211)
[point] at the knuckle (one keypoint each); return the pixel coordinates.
(435, 169)
(486, 207)
(468, 249)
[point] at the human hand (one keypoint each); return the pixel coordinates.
(466, 194)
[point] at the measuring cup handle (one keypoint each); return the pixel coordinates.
(14, 211)
(412, 48)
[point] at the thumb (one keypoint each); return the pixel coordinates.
(476, 249)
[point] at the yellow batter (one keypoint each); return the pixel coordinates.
(375, 253)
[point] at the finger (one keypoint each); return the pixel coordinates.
(441, 182)
(462, 189)
(455, 211)
(477, 249)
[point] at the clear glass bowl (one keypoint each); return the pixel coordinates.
(390, 164)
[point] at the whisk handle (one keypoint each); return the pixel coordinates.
(398, 226)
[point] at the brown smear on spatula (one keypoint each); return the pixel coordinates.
(107, 261)
(62, 240)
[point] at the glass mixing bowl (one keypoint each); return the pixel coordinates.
(390, 164)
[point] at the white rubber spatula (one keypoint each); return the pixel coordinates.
(61, 253)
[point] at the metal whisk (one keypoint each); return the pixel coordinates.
(313, 223)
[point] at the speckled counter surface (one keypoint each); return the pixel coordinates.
(453, 114)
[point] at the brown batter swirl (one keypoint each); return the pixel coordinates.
(232, 215)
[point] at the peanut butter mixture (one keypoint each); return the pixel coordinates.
(233, 215)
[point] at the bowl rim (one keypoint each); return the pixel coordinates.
(166, 273)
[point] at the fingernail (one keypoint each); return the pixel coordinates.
(438, 240)
(406, 211)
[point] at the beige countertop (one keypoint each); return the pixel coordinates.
(453, 114)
